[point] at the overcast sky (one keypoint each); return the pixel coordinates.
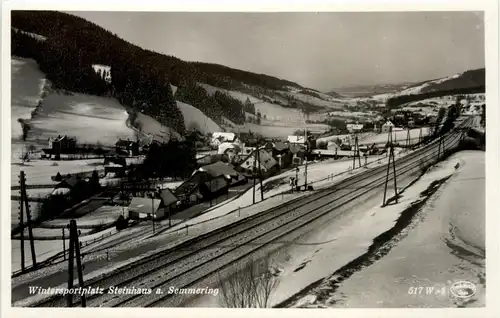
(317, 50)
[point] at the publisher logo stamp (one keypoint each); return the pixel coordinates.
(463, 289)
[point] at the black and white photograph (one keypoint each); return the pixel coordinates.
(329, 159)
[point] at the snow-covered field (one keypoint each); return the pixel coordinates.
(329, 102)
(415, 89)
(39, 172)
(193, 117)
(271, 111)
(151, 126)
(45, 248)
(361, 136)
(397, 136)
(51, 233)
(91, 119)
(105, 215)
(279, 130)
(27, 86)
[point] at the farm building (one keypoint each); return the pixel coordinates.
(220, 137)
(301, 140)
(114, 164)
(354, 127)
(69, 183)
(141, 208)
(387, 126)
(128, 147)
(332, 145)
(208, 181)
(168, 200)
(280, 151)
(61, 145)
(267, 162)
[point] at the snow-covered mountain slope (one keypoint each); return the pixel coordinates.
(195, 118)
(467, 79)
(271, 111)
(91, 119)
(27, 86)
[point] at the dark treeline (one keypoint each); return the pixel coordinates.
(394, 102)
(175, 159)
(140, 77)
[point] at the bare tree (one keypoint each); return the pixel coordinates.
(251, 286)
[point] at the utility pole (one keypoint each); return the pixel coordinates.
(356, 153)
(260, 173)
(21, 222)
(71, 261)
(254, 175)
(153, 210)
(74, 247)
(64, 243)
(307, 151)
(24, 196)
(408, 138)
(391, 157)
(420, 136)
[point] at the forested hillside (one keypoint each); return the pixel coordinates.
(140, 78)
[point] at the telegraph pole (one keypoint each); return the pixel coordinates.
(71, 261)
(153, 210)
(408, 137)
(74, 246)
(356, 153)
(305, 164)
(24, 195)
(254, 176)
(21, 221)
(260, 174)
(391, 157)
(64, 243)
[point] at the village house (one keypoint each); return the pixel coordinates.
(115, 164)
(220, 137)
(297, 140)
(127, 147)
(268, 164)
(62, 144)
(280, 151)
(387, 126)
(168, 201)
(207, 182)
(230, 150)
(333, 146)
(142, 208)
(353, 128)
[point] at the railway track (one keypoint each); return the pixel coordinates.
(201, 257)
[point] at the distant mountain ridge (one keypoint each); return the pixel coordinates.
(365, 90)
